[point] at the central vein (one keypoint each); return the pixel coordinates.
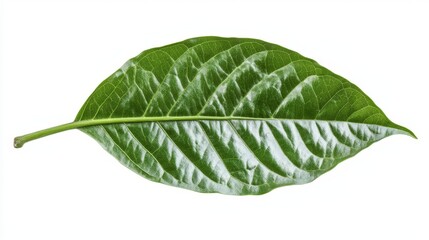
(19, 141)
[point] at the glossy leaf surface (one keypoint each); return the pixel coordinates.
(228, 115)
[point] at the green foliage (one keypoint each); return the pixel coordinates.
(229, 115)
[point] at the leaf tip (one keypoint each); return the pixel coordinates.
(411, 134)
(407, 132)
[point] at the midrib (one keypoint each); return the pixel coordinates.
(19, 141)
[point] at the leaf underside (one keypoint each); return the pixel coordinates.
(256, 116)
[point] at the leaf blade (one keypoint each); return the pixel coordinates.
(229, 115)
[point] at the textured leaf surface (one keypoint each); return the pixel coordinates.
(234, 116)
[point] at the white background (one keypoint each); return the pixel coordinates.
(54, 54)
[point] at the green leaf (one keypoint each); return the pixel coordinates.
(228, 115)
